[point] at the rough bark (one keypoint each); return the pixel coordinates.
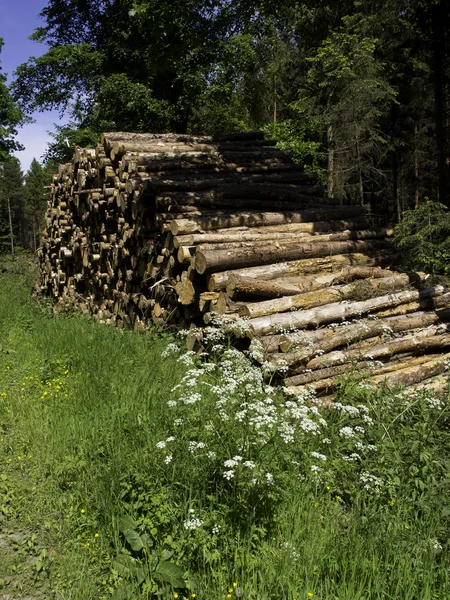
(221, 260)
(366, 288)
(224, 219)
(248, 234)
(218, 281)
(336, 312)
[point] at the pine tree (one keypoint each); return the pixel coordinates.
(35, 180)
(12, 206)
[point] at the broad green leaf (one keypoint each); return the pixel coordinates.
(169, 573)
(129, 567)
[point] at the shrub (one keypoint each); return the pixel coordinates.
(423, 238)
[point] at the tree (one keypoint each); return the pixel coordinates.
(36, 179)
(10, 117)
(135, 65)
(12, 205)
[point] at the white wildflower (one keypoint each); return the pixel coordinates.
(192, 524)
(347, 433)
(319, 456)
(171, 350)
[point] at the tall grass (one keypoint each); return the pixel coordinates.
(135, 470)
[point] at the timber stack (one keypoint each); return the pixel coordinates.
(178, 229)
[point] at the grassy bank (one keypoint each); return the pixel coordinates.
(138, 472)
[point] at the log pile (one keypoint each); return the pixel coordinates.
(175, 229)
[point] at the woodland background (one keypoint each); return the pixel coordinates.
(358, 90)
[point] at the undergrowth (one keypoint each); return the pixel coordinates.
(144, 471)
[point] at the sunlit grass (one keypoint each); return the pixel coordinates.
(86, 411)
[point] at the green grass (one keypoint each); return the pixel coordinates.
(82, 409)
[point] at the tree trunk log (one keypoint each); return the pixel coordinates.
(224, 219)
(426, 340)
(366, 288)
(344, 335)
(221, 260)
(247, 234)
(336, 312)
(218, 281)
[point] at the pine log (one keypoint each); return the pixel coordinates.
(192, 182)
(291, 238)
(326, 380)
(218, 281)
(243, 287)
(109, 138)
(417, 342)
(248, 234)
(366, 288)
(415, 374)
(335, 337)
(336, 311)
(257, 219)
(331, 374)
(185, 253)
(221, 260)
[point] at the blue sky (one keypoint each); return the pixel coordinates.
(18, 20)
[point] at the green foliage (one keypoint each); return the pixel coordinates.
(10, 117)
(423, 238)
(36, 178)
(66, 137)
(147, 568)
(137, 65)
(301, 137)
(12, 192)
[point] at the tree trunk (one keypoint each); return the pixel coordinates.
(11, 233)
(336, 312)
(218, 281)
(225, 219)
(367, 288)
(221, 260)
(246, 234)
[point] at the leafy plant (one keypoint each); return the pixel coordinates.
(423, 238)
(145, 567)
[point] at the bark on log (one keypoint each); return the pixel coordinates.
(239, 287)
(257, 219)
(270, 232)
(426, 340)
(332, 374)
(218, 281)
(344, 335)
(324, 383)
(221, 260)
(336, 312)
(412, 375)
(366, 288)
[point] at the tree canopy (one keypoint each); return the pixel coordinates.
(10, 117)
(358, 90)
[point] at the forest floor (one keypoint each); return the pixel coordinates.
(130, 469)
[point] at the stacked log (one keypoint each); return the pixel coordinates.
(175, 229)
